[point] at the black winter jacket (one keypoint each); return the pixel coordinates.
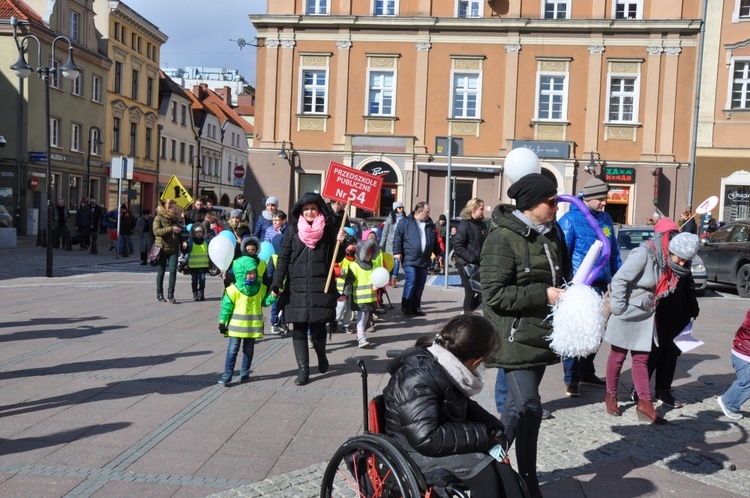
(408, 242)
(425, 410)
(306, 270)
(468, 241)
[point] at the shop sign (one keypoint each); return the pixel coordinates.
(382, 170)
(618, 195)
(736, 202)
(548, 150)
(619, 175)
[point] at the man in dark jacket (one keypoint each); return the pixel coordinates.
(413, 244)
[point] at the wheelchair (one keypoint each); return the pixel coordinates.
(372, 465)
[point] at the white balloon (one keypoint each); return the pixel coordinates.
(521, 162)
(221, 252)
(379, 277)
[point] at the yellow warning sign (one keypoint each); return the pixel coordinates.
(176, 191)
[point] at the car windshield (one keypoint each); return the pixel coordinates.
(630, 239)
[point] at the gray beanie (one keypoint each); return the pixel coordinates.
(594, 189)
(397, 204)
(684, 245)
(236, 213)
(272, 200)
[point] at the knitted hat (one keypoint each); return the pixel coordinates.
(236, 213)
(366, 233)
(146, 211)
(272, 200)
(684, 245)
(397, 204)
(442, 217)
(530, 190)
(594, 189)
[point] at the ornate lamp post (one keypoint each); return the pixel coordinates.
(68, 70)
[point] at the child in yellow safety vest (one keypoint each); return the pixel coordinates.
(197, 260)
(344, 304)
(358, 284)
(241, 316)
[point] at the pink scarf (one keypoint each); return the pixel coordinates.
(311, 234)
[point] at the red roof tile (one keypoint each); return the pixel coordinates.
(20, 10)
(217, 105)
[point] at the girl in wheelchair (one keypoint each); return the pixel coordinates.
(430, 414)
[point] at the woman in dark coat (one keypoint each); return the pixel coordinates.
(467, 247)
(307, 252)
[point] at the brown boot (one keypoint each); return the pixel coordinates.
(394, 280)
(610, 401)
(646, 413)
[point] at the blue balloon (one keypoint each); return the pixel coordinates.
(228, 234)
(266, 251)
(189, 227)
(350, 231)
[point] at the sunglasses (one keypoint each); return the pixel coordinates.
(400, 207)
(551, 202)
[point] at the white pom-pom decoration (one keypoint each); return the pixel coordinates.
(577, 322)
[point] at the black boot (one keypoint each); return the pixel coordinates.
(160, 297)
(170, 297)
(320, 350)
(302, 355)
(196, 296)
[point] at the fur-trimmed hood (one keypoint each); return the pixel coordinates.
(363, 248)
(309, 198)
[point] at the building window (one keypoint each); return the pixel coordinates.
(182, 152)
(557, 9)
(118, 77)
(623, 99)
(183, 115)
(116, 134)
(54, 75)
(75, 137)
(139, 45)
(174, 112)
(94, 139)
(314, 92)
(317, 7)
(117, 31)
(148, 139)
(466, 95)
(628, 9)
(148, 49)
(173, 155)
(384, 7)
(740, 96)
(150, 92)
(469, 8)
(74, 26)
(191, 150)
(744, 8)
(123, 36)
(75, 85)
(54, 136)
(551, 97)
(96, 89)
(133, 38)
(134, 86)
(381, 93)
(163, 147)
(133, 139)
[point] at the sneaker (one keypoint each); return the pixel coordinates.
(572, 391)
(546, 414)
(225, 379)
(593, 381)
(666, 398)
(348, 330)
(729, 413)
(362, 342)
(244, 378)
(274, 330)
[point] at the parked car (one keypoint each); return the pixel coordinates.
(726, 253)
(631, 236)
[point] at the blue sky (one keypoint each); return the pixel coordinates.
(199, 32)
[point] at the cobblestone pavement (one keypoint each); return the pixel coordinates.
(106, 392)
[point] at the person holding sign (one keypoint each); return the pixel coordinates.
(167, 236)
(307, 252)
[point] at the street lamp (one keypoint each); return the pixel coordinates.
(288, 155)
(197, 167)
(23, 70)
(94, 139)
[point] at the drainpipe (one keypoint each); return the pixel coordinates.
(691, 183)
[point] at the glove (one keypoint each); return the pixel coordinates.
(337, 270)
(223, 328)
(498, 452)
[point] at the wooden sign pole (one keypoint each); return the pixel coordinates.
(338, 243)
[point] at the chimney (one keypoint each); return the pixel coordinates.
(226, 94)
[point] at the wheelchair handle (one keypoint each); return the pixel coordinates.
(361, 364)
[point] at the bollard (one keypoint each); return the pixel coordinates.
(44, 238)
(39, 238)
(124, 243)
(66, 239)
(94, 249)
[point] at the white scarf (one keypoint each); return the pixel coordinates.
(469, 382)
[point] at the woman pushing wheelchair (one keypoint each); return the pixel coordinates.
(430, 414)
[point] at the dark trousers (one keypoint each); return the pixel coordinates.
(161, 268)
(472, 299)
(663, 361)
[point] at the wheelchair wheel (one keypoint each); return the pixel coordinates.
(370, 466)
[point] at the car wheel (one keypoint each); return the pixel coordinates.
(743, 281)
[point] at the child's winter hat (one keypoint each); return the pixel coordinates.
(236, 213)
(366, 233)
(684, 245)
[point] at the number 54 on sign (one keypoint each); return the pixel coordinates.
(347, 184)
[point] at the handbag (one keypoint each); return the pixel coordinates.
(153, 255)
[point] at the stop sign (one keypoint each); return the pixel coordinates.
(239, 171)
(34, 182)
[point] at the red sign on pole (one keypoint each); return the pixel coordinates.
(347, 184)
(239, 171)
(34, 182)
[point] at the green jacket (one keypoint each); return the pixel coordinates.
(164, 236)
(517, 266)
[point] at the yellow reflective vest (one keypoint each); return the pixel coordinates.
(246, 321)
(362, 292)
(198, 256)
(344, 264)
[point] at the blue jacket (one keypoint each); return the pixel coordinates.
(407, 242)
(579, 237)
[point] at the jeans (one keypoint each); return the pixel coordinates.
(739, 391)
(198, 279)
(161, 267)
(248, 348)
(501, 390)
(576, 369)
(416, 277)
(522, 416)
(396, 266)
